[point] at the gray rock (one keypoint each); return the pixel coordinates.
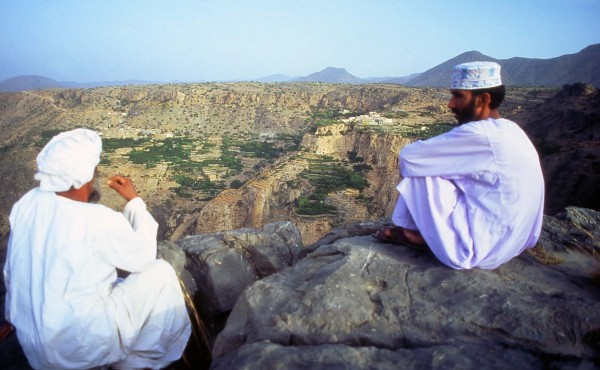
(170, 252)
(223, 264)
(570, 243)
(268, 355)
(357, 303)
(337, 233)
(574, 228)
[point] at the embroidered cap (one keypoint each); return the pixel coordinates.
(476, 75)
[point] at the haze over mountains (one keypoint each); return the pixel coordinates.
(583, 66)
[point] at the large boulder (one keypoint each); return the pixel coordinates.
(223, 264)
(357, 303)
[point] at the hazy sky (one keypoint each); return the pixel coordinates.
(186, 40)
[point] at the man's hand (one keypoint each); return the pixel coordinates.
(123, 186)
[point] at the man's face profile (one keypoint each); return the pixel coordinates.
(95, 193)
(463, 105)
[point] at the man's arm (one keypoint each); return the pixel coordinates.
(131, 243)
(134, 211)
(464, 150)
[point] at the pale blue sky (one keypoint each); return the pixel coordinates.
(185, 40)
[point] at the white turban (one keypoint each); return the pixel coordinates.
(68, 160)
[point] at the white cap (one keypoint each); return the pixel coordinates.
(476, 75)
(69, 159)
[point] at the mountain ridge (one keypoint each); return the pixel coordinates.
(583, 66)
(35, 82)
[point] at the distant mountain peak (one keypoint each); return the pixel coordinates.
(517, 71)
(30, 82)
(335, 69)
(594, 48)
(332, 75)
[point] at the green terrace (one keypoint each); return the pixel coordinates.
(327, 175)
(192, 160)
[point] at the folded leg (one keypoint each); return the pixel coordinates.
(151, 317)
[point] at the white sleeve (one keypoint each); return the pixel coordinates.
(141, 220)
(128, 240)
(464, 150)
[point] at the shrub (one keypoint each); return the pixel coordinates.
(111, 144)
(236, 184)
(47, 135)
(313, 207)
(326, 176)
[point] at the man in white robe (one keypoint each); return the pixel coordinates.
(69, 308)
(474, 195)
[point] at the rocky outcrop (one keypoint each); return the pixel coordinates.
(223, 264)
(380, 151)
(338, 356)
(566, 131)
(351, 302)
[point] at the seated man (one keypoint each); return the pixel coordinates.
(474, 195)
(63, 296)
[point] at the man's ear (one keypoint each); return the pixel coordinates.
(484, 99)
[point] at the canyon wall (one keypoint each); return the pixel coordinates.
(272, 195)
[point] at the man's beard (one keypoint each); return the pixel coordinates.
(95, 195)
(466, 114)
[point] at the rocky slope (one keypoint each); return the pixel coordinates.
(200, 116)
(216, 134)
(351, 302)
(272, 195)
(566, 131)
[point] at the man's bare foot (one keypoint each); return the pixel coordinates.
(400, 235)
(5, 330)
(414, 236)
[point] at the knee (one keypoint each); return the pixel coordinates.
(160, 270)
(163, 266)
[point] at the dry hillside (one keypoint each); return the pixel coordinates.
(210, 157)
